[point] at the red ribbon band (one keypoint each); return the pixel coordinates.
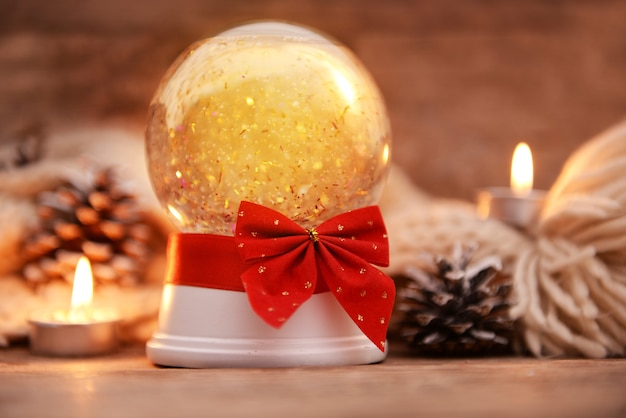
(209, 261)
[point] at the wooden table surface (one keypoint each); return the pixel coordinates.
(126, 384)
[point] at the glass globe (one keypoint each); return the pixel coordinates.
(271, 113)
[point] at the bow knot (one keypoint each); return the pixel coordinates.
(313, 234)
(287, 263)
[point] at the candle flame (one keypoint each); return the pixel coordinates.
(82, 291)
(522, 170)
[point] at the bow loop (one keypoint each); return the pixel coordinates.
(262, 232)
(287, 263)
(362, 231)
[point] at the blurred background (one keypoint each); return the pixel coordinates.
(464, 81)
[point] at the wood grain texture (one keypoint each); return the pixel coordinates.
(127, 385)
(464, 81)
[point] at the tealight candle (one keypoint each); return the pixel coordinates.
(520, 205)
(81, 330)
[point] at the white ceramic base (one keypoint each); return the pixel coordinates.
(207, 328)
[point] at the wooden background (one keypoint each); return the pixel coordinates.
(464, 80)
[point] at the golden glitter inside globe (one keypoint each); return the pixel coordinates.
(270, 113)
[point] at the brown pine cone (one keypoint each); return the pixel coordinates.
(93, 216)
(451, 308)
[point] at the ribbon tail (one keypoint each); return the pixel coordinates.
(365, 293)
(277, 286)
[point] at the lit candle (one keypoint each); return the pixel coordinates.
(81, 330)
(522, 170)
(520, 205)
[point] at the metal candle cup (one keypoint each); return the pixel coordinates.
(502, 203)
(63, 339)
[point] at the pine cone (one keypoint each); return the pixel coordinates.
(451, 308)
(94, 217)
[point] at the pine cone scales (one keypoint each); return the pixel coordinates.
(94, 217)
(451, 308)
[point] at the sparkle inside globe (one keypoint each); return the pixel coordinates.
(270, 113)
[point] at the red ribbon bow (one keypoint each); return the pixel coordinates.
(287, 263)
